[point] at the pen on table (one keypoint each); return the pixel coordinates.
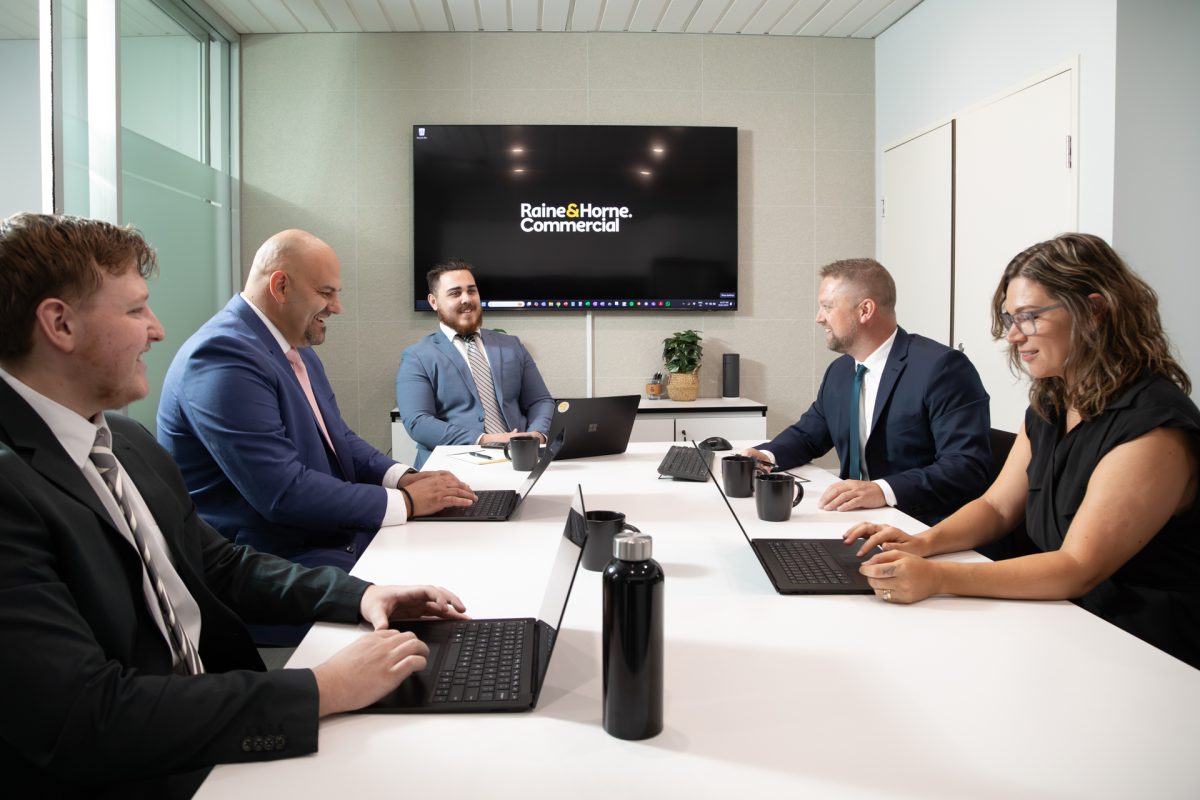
(479, 454)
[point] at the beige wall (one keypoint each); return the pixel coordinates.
(325, 134)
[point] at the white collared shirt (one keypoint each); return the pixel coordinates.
(77, 435)
(396, 513)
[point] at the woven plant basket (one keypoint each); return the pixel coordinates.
(684, 385)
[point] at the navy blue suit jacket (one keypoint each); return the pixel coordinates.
(236, 421)
(929, 431)
(438, 401)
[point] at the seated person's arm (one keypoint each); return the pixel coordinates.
(1119, 515)
(537, 404)
(418, 407)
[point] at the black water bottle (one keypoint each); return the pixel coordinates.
(633, 640)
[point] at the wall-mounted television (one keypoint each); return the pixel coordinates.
(580, 217)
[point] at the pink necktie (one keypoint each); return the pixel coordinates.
(293, 357)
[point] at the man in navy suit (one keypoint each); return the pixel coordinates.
(438, 387)
(909, 416)
(268, 459)
(128, 669)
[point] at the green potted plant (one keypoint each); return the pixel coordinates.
(682, 352)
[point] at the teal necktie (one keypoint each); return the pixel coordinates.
(854, 472)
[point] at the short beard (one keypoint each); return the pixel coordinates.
(452, 321)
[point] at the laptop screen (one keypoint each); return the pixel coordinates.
(566, 560)
(547, 456)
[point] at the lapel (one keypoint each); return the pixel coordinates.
(449, 354)
(340, 455)
(37, 445)
(897, 361)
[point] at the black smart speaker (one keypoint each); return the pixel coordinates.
(729, 376)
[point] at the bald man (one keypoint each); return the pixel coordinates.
(249, 416)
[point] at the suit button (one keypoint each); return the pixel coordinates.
(247, 744)
(280, 742)
(349, 548)
(258, 744)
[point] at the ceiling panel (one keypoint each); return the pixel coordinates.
(864, 19)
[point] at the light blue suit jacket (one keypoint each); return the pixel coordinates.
(234, 418)
(438, 401)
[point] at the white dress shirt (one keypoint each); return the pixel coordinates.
(395, 513)
(77, 435)
(461, 347)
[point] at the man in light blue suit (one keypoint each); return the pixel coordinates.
(248, 414)
(464, 384)
(908, 416)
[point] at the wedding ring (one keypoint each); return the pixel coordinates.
(887, 595)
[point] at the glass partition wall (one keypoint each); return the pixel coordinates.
(144, 99)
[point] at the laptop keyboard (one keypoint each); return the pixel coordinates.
(489, 503)
(806, 562)
(482, 664)
(685, 463)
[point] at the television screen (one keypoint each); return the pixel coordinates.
(580, 217)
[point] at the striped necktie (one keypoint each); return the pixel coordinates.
(854, 472)
(493, 420)
(110, 470)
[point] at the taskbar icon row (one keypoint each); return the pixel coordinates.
(609, 304)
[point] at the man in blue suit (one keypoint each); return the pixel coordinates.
(464, 384)
(251, 419)
(908, 416)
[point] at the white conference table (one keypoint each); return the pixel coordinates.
(818, 696)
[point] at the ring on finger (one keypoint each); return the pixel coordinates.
(887, 595)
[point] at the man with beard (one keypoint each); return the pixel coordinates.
(909, 416)
(465, 384)
(249, 415)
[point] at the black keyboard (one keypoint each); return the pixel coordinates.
(488, 503)
(806, 562)
(483, 663)
(686, 464)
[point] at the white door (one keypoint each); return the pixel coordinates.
(915, 221)
(1016, 184)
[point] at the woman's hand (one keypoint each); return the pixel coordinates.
(899, 577)
(886, 538)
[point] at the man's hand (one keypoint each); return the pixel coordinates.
(437, 491)
(760, 457)
(409, 478)
(849, 495)
(503, 438)
(366, 670)
(382, 603)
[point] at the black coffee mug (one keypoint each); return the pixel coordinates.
(737, 473)
(602, 528)
(523, 451)
(775, 495)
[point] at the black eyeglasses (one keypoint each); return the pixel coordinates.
(1026, 321)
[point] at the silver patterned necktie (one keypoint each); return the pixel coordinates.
(493, 420)
(110, 470)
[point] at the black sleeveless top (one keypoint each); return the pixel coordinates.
(1156, 594)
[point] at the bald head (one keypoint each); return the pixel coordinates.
(296, 281)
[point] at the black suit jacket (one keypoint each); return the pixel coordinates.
(929, 433)
(92, 706)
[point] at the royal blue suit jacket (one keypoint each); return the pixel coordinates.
(234, 418)
(929, 431)
(438, 401)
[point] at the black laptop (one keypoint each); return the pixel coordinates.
(491, 664)
(594, 426)
(806, 566)
(497, 505)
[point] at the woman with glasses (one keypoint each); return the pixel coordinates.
(1104, 471)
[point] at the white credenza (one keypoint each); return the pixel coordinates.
(673, 421)
(658, 421)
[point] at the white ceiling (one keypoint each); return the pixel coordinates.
(864, 19)
(861, 19)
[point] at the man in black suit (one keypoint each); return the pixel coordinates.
(128, 668)
(908, 416)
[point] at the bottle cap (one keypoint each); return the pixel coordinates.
(633, 547)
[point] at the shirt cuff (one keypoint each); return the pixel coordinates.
(770, 456)
(396, 512)
(889, 496)
(391, 478)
